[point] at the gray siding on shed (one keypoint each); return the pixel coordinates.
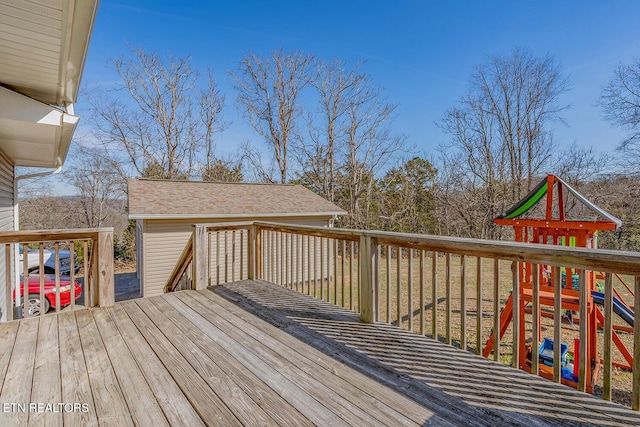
(164, 239)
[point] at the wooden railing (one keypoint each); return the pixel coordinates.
(94, 270)
(452, 289)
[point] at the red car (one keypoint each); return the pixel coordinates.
(33, 297)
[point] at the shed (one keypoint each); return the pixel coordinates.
(166, 210)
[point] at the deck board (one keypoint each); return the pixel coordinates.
(73, 373)
(46, 373)
(17, 383)
(354, 385)
(172, 400)
(133, 384)
(272, 404)
(230, 394)
(326, 373)
(204, 400)
(109, 403)
(253, 353)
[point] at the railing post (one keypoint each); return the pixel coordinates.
(200, 261)
(368, 262)
(105, 277)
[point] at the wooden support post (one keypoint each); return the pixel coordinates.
(200, 262)
(105, 278)
(368, 262)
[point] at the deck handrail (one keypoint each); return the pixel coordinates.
(98, 263)
(621, 262)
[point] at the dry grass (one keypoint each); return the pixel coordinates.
(411, 314)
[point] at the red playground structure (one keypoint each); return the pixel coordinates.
(556, 229)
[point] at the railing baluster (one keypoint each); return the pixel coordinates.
(335, 271)
(283, 260)
(496, 309)
(478, 305)
(463, 304)
(217, 257)
(282, 272)
(608, 335)
(322, 268)
(535, 319)
(88, 292)
(422, 295)
(266, 254)
(410, 284)
(635, 394)
(25, 283)
(56, 247)
(584, 326)
(41, 275)
(434, 295)
(241, 253)
(557, 324)
(389, 248)
(302, 264)
(233, 255)
(315, 266)
(209, 259)
(351, 257)
(515, 303)
(226, 257)
(344, 282)
(399, 286)
(289, 260)
(309, 265)
(448, 295)
(300, 261)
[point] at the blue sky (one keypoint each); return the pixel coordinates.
(422, 52)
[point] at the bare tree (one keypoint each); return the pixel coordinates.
(163, 124)
(268, 90)
(99, 187)
(501, 135)
(620, 100)
(336, 87)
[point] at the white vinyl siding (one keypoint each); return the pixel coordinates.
(164, 240)
(6, 217)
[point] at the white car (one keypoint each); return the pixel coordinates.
(49, 261)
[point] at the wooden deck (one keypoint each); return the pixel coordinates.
(252, 353)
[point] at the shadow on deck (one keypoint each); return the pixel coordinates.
(253, 353)
(460, 387)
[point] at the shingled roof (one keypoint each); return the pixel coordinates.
(150, 198)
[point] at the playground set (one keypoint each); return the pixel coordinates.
(556, 229)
